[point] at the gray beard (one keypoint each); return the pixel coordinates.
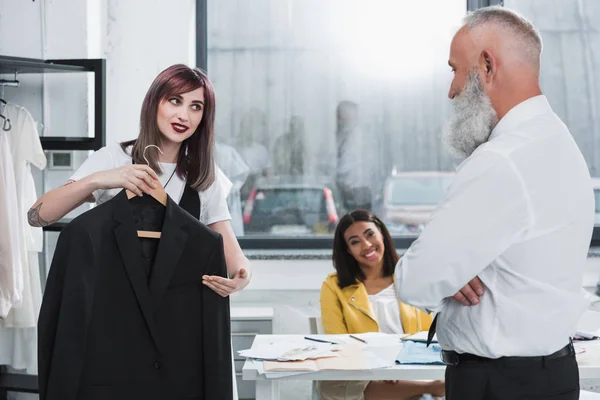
(472, 121)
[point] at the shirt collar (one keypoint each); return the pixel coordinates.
(520, 113)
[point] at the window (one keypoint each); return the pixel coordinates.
(348, 96)
(416, 190)
(327, 103)
(570, 62)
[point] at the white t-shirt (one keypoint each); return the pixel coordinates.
(212, 200)
(387, 311)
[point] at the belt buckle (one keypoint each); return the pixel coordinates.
(450, 357)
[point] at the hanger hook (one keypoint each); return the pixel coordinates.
(146, 148)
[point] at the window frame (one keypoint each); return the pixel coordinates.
(264, 242)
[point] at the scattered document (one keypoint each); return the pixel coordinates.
(420, 337)
(290, 351)
(349, 358)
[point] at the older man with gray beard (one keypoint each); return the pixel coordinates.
(501, 260)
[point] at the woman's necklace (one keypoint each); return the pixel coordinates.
(169, 180)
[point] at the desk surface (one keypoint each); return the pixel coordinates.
(588, 359)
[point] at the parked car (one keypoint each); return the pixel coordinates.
(409, 198)
(290, 209)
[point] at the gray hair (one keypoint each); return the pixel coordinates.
(528, 37)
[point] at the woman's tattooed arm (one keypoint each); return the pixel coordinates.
(33, 216)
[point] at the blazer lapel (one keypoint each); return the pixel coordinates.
(356, 296)
(172, 242)
(131, 252)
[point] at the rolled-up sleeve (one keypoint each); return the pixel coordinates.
(484, 211)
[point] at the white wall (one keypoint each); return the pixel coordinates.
(143, 37)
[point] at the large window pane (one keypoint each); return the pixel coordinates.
(570, 65)
(330, 105)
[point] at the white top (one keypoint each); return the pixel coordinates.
(26, 149)
(11, 266)
(387, 311)
(354, 151)
(18, 347)
(236, 170)
(256, 156)
(213, 200)
(519, 214)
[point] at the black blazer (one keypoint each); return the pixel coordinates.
(106, 332)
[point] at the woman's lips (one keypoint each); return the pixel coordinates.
(179, 128)
(371, 254)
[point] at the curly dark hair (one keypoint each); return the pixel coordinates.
(348, 270)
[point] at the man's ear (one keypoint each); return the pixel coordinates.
(488, 64)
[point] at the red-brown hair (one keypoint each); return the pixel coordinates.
(195, 162)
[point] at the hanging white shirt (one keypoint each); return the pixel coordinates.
(26, 149)
(18, 332)
(213, 201)
(519, 214)
(387, 311)
(11, 266)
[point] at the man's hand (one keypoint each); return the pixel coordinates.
(225, 286)
(470, 294)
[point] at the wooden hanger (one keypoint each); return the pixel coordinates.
(158, 193)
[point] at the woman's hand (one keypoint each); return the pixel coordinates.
(225, 286)
(134, 177)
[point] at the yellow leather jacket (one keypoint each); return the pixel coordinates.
(348, 310)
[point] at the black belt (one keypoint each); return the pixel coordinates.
(454, 358)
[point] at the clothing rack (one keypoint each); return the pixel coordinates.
(17, 383)
(19, 65)
(12, 83)
(16, 66)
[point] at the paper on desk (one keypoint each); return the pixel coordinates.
(273, 375)
(350, 357)
(290, 351)
(420, 337)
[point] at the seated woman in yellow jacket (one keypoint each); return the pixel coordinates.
(361, 298)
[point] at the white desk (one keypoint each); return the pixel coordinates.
(268, 389)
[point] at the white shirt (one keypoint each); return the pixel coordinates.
(11, 266)
(213, 201)
(519, 214)
(355, 165)
(236, 170)
(18, 332)
(387, 311)
(256, 156)
(26, 149)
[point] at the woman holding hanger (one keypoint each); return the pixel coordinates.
(177, 115)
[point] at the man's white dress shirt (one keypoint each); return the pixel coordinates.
(520, 215)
